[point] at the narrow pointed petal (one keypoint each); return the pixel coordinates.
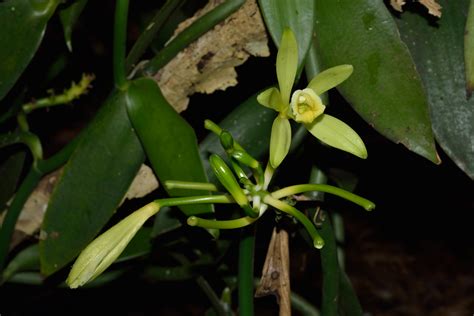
(338, 134)
(330, 78)
(280, 141)
(287, 63)
(271, 98)
(103, 251)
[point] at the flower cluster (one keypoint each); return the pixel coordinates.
(305, 106)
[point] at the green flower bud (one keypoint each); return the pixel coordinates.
(103, 251)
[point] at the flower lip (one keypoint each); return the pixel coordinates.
(306, 105)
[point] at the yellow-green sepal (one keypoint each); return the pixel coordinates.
(287, 64)
(106, 248)
(338, 134)
(330, 78)
(280, 140)
(271, 98)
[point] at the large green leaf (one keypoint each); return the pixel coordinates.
(438, 52)
(23, 25)
(385, 88)
(92, 185)
(169, 141)
(297, 15)
(10, 171)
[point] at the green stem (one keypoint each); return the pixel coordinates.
(211, 295)
(318, 242)
(330, 270)
(146, 38)
(267, 176)
(303, 306)
(74, 92)
(205, 199)
(213, 224)
(245, 280)
(300, 188)
(171, 184)
(190, 34)
(120, 38)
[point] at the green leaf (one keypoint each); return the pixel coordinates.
(338, 134)
(298, 15)
(25, 260)
(469, 49)
(330, 78)
(69, 17)
(438, 52)
(92, 185)
(280, 140)
(10, 171)
(169, 141)
(385, 88)
(23, 26)
(286, 65)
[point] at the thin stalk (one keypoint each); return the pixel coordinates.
(146, 38)
(211, 295)
(213, 224)
(301, 188)
(120, 38)
(268, 175)
(245, 280)
(190, 34)
(205, 199)
(171, 184)
(318, 242)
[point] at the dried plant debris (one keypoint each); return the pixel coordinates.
(208, 64)
(276, 271)
(433, 7)
(32, 214)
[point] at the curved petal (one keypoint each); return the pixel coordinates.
(287, 63)
(280, 140)
(330, 78)
(338, 134)
(271, 98)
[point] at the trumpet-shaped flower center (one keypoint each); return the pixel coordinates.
(306, 105)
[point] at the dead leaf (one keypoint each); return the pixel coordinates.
(208, 64)
(433, 7)
(32, 214)
(276, 272)
(397, 4)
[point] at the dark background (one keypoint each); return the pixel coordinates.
(413, 255)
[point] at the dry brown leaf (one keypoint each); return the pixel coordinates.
(276, 272)
(433, 7)
(32, 214)
(208, 64)
(397, 4)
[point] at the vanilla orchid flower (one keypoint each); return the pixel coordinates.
(305, 106)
